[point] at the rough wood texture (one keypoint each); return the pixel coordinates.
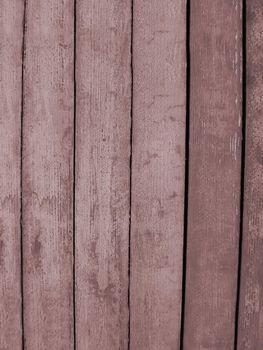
(250, 334)
(105, 60)
(11, 31)
(214, 174)
(47, 175)
(102, 173)
(159, 67)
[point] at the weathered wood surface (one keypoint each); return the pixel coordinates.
(121, 87)
(158, 144)
(214, 174)
(250, 332)
(11, 32)
(47, 174)
(103, 103)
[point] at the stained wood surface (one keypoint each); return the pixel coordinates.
(11, 30)
(99, 98)
(103, 121)
(214, 174)
(250, 333)
(47, 175)
(158, 144)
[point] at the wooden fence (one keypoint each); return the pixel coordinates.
(131, 178)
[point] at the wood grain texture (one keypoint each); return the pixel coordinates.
(103, 101)
(214, 174)
(47, 174)
(159, 84)
(11, 31)
(250, 333)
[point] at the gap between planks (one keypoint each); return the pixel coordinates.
(242, 169)
(187, 140)
(23, 52)
(130, 189)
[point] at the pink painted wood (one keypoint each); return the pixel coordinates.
(11, 29)
(250, 332)
(158, 163)
(47, 175)
(105, 60)
(103, 99)
(214, 174)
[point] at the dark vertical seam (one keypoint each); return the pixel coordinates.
(21, 177)
(74, 181)
(130, 199)
(242, 177)
(186, 186)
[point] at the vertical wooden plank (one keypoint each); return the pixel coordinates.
(102, 173)
(158, 158)
(11, 29)
(47, 174)
(250, 333)
(214, 173)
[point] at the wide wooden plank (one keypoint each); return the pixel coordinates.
(250, 332)
(103, 89)
(11, 29)
(48, 174)
(214, 173)
(158, 162)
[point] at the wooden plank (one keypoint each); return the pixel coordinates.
(158, 163)
(11, 29)
(250, 332)
(214, 173)
(47, 174)
(102, 173)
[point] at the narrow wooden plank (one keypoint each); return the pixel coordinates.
(214, 173)
(11, 29)
(47, 174)
(103, 79)
(250, 332)
(158, 159)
